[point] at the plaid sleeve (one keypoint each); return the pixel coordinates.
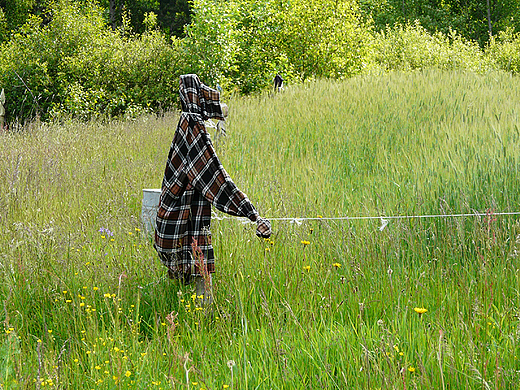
(210, 103)
(207, 175)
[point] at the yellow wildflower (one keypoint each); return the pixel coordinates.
(307, 268)
(128, 373)
(336, 265)
(420, 310)
(305, 242)
(411, 369)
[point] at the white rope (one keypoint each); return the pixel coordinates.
(392, 217)
(384, 219)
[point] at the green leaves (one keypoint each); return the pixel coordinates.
(246, 43)
(505, 50)
(76, 65)
(73, 63)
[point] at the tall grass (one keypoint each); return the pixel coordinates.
(322, 304)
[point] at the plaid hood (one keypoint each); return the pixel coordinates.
(197, 98)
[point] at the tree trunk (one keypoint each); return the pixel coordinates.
(490, 30)
(112, 12)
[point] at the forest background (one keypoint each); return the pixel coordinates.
(109, 58)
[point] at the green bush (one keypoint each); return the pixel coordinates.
(245, 43)
(210, 45)
(504, 50)
(3, 26)
(325, 38)
(122, 76)
(76, 65)
(410, 47)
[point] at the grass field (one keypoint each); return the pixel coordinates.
(322, 304)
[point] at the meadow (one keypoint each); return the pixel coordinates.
(324, 303)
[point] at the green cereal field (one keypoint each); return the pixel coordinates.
(394, 301)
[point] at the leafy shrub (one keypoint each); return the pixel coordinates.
(245, 43)
(325, 38)
(3, 26)
(210, 45)
(504, 50)
(76, 65)
(410, 46)
(122, 76)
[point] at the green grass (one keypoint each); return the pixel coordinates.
(85, 310)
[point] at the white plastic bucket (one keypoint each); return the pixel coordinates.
(149, 208)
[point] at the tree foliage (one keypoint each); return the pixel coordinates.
(504, 49)
(77, 65)
(473, 19)
(249, 42)
(411, 47)
(69, 59)
(13, 14)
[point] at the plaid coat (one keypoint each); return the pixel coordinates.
(194, 180)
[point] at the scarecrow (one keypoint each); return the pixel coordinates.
(194, 180)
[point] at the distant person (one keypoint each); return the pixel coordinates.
(278, 83)
(194, 180)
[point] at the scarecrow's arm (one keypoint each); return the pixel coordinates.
(207, 175)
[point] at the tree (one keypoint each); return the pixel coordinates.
(13, 13)
(246, 42)
(77, 65)
(473, 19)
(172, 15)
